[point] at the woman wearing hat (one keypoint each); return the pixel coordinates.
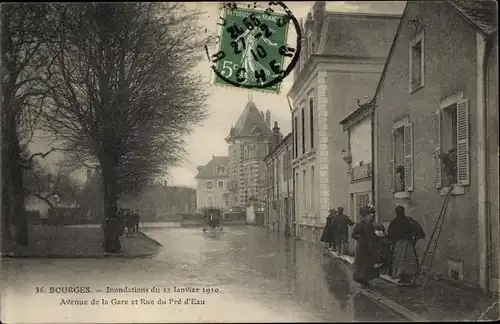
(328, 231)
(366, 249)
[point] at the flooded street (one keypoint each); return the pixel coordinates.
(243, 274)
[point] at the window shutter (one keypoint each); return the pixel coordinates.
(463, 175)
(437, 149)
(391, 162)
(408, 156)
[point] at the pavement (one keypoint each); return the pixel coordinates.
(244, 274)
(83, 241)
(440, 301)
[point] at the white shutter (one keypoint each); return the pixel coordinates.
(408, 156)
(463, 175)
(391, 162)
(437, 149)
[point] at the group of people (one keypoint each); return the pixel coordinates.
(336, 230)
(114, 227)
(376, 249)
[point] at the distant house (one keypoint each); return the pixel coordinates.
(279, 202)
(248, 143)
(342, 59)
(358, 126)
(438, 98)
(212, 180)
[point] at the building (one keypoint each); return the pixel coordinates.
(359, 157)
(438, 96)
(279, 202)
(248, 144)
(343, 57)
(212, 181)
(156, 202)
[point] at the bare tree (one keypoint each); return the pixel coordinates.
(123, 91)
(24, 39)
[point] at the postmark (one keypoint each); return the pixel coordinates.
(253, 46)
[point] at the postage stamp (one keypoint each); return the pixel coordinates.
(253, 47)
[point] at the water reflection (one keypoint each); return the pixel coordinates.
(246, 263)
(338, 282)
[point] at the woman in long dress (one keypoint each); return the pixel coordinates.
(328, 231)
(404, 232)
(114, 229)
(366, 249)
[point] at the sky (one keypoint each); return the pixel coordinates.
(225, 104)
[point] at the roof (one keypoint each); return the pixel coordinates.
(209, 170)
(482, 14)
(479, 13)
(358, 34)
(356, 116)
(286, 139)
(250, 123)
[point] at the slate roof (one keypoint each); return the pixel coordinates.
(209, 170)
(250, 123)
(358, 34)
(481, 13)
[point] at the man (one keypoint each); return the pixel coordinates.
(340, 225)
(137, 219)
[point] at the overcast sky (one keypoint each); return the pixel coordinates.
(226, 103)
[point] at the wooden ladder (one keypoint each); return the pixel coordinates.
(425, 268)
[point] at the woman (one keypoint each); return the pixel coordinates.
(403, 233)
(328, 231)
(114, 229)
(366, 249)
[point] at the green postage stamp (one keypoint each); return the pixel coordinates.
(252, 48)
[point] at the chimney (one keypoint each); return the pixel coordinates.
(268, 118)
(276, 136)
(319, 9)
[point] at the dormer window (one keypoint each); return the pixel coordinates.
(220, 170)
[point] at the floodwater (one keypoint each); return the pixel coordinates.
(243, 274)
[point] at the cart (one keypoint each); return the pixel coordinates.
(213, 219)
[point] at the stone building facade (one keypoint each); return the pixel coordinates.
(343, 57)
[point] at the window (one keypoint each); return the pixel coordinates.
(452, 142)
(296, 138)
(313, 209)
(226, 202)
(303, 131)
(284, 171)
(311, 121)
(209, 201)
(220, 170)
(304, 191)
(362, 199)
(209, 185)
(402, 156)
(417, 62)
(220, 184)
(245, 153)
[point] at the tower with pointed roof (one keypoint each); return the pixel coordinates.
(248, 143)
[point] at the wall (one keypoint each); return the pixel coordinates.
(493, 156)
(360, 142)
(342, 88)
(449, 68)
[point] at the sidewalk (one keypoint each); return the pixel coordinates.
(78, 242)
(440, 301)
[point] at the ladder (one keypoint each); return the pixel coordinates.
(430, 250)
